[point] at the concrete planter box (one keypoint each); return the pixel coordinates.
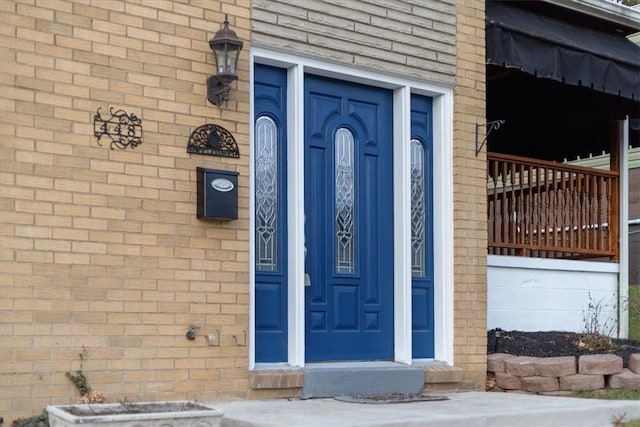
(147, 414)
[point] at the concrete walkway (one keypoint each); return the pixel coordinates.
(468, 409)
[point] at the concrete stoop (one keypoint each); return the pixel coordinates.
(331, 380)
(321, 380)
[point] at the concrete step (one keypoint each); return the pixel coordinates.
(366, 378)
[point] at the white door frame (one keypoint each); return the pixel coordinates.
(442, 201)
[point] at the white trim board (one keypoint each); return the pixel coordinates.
(552, 264)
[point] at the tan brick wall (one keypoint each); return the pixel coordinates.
(470, 222)
(407, 38)
(101, 251)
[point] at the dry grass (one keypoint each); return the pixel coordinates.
(610, 394)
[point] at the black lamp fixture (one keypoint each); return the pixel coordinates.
(226, 48)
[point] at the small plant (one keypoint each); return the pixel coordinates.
(87, 395)
(80, 381)
(41, 420)
(619, 421)
(597, 334)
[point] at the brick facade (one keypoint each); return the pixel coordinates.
(101, 252)
(469, 170)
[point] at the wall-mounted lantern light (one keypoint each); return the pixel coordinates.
(226, 48)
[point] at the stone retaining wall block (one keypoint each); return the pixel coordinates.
(599, 364)
(625, 380)
(508, 382)
(540, 384)
(521, 366)
(496, 361)
(556, 366)
(634, 363)
(581, 382)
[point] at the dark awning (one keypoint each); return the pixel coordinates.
(562, 51)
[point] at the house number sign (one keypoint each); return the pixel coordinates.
(122, 129)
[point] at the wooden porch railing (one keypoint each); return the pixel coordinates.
(544, 209)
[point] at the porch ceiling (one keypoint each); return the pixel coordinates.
(548, 120)
(573, 51)
(551, 110)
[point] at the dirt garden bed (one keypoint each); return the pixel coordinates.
(553, 344)
(560, 363)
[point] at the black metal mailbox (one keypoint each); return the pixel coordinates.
(217, 194)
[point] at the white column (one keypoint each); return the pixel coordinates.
(402, 225)
(295, 211)
(623, 292)
(443, 225)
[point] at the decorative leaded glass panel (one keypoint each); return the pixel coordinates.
(345, 201)
(266, 184)
(418, 237)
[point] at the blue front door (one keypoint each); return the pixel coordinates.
(349, 221)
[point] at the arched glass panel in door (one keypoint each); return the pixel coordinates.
(418, 237)
(344, 201)
(266, 183)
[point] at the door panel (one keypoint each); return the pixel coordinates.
(349, 221)
(270, 146)
(422, 227)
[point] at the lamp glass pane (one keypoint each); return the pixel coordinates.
(232, 60)
(221, 58)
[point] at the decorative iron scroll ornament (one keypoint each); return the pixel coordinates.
(493, 125)
(213, 140)
(124, 130)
